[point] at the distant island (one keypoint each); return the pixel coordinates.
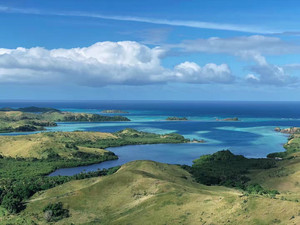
(32, 109)
(228, 119)
(113, 111)
(197, 141)
(175, 118)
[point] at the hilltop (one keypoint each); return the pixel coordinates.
(146, 192)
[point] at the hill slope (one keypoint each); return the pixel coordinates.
(146, 192)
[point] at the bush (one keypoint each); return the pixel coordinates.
(55, 212)
(12, 203)
(225, 168)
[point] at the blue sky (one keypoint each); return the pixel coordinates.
(179, 49)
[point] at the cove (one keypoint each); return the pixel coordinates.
(262, 141)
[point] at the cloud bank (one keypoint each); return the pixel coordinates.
(250, 48)
(104, 63)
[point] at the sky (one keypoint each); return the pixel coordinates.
(150, 50)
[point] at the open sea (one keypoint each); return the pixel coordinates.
(252, 136)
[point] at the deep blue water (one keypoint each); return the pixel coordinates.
(252, 136)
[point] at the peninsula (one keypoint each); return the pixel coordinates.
(19, 121)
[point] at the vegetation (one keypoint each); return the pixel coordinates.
(146, 192)
(74, 145)
(55, 212)
(26, 159)
(21, 178)
(266, 191)
(23, 121)
(293, 146)
(225, 168)
(81, 117)
(32, 109)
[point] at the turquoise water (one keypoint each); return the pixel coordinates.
(252, 142)
(252, 136)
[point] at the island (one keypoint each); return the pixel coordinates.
(32, 109)
(19, 121)
(175, 118)
(228, 119)
(114, 111)
(194, 140)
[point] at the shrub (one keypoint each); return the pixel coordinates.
(55, 212)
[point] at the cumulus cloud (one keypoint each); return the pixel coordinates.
(103, 63)
(251, 48)
(269, 74)
(191, 72)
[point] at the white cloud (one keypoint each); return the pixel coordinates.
(191, 72)
(103, 63)
(251, 48)
(269, 74)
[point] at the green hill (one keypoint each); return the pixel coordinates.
(146, 192)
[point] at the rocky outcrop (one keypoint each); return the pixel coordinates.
(291, 130)
(228, 119)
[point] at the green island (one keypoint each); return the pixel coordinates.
(32, 109)
(175, 118)
(113, 111)
(38, 118)
(221, 188)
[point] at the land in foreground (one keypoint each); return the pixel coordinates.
(154, 193)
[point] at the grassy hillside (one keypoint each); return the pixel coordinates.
(25, 160)
(286, 176)
(66, 144)
(146, 192)
(42, 145)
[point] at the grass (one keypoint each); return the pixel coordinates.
(25, 160)
(285, 177)
(65, 144)
(42, 144)
(146, 192)
(19, 121)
